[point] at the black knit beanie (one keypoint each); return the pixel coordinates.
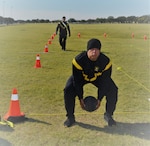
(93, 43)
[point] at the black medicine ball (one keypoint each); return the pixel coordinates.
(90, 103)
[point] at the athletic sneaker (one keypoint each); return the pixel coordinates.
(69, 122)
(109, 119)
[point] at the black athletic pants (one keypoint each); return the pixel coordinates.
(109, 89)
(62, 42)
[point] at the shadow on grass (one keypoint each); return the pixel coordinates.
(140, 130)
(6, 128)
(37, 121)
(4, 142)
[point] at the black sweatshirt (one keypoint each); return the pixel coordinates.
(87, 71)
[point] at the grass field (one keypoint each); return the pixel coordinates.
(40, 90)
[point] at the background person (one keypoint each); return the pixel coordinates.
(94, 67)
(63, 27)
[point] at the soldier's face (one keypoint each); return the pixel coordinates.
(93, 54)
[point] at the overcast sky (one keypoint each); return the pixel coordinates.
(77, 9)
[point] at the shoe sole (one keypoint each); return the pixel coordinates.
(70, 125)
(106, 119)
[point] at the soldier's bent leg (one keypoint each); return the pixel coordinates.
(69, 98)
(111, 98)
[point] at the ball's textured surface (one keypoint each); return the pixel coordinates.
(90, 103)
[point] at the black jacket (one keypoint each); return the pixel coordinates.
(87, 71)
(63, 27)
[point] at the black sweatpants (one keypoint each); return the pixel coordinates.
(62, 42)
(109, 89)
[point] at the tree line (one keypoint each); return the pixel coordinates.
(110, 19)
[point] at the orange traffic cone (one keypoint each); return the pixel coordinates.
(14, 114)
(37, 63)
(46, 48)
(49, 41)
(54, 34)
(132, 35)
(52, 37)
(79, 35)
(105, 35)
(145, 37)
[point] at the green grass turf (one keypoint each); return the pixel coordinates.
(40, 90)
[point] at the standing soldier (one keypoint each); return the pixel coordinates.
(63, 27)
